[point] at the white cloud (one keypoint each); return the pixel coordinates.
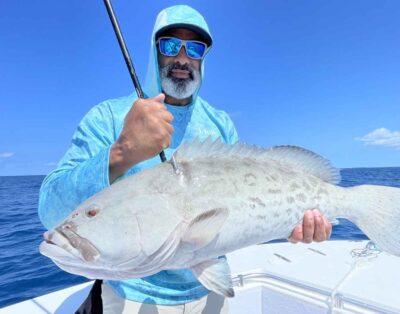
(383, 137)
(6, 155)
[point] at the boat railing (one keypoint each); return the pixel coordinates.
(330, 299)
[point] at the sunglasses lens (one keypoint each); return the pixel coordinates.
(170, 46)
(195, 50)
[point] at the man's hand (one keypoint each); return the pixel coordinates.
(315, 227)
(147, 131)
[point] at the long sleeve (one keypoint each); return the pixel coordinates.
(83, 171)
(231, 133)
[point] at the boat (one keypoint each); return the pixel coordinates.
(340, 276)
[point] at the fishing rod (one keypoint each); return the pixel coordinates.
(129, 64)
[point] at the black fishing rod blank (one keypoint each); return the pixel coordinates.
(129, 63)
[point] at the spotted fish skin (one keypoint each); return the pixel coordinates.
(266, 198)
(267, 191)
(223, 198)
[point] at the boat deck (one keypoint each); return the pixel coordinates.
(328, 277)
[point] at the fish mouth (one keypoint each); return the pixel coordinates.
(70, 242)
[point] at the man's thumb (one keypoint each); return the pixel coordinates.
(159, 97)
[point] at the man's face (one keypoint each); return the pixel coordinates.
(180, 75)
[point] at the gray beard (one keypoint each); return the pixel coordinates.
(177, 87)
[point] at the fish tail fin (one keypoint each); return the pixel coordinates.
(379, 215)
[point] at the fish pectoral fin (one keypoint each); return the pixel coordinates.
(215, 275)
(204, 227)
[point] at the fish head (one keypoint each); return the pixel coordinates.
(96, 235)
(119, 228)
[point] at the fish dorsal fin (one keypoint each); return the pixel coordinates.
(210, 147)
(297, 157)
(305, 160)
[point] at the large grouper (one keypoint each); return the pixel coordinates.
(222, 198)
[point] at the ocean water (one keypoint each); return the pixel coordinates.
(25, 274)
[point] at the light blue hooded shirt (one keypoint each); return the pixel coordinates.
(84, 169)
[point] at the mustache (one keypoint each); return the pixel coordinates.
(178, 66)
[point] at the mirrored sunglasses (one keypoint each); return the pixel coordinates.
(170, 47)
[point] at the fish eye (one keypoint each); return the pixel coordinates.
(92, 212)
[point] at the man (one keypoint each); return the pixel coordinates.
(117, 139)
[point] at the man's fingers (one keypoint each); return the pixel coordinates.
(328, 228)
(166, 116)
(308, 226)
(297, 234)
(315, 227)
(169, 128)
(319, 226)
(166, 145)
(154, 107)
(150, 105)
(164, 142)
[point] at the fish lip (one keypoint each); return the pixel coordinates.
(86, 248)
(46, 237)
(58, 239)
(70, 241)
(58, 252)
(54, 246)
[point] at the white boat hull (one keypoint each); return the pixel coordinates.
(284, 278)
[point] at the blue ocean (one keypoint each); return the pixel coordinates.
(25, 274)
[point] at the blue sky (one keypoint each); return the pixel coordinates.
(319, 74)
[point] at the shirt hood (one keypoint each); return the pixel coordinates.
(175, 16)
